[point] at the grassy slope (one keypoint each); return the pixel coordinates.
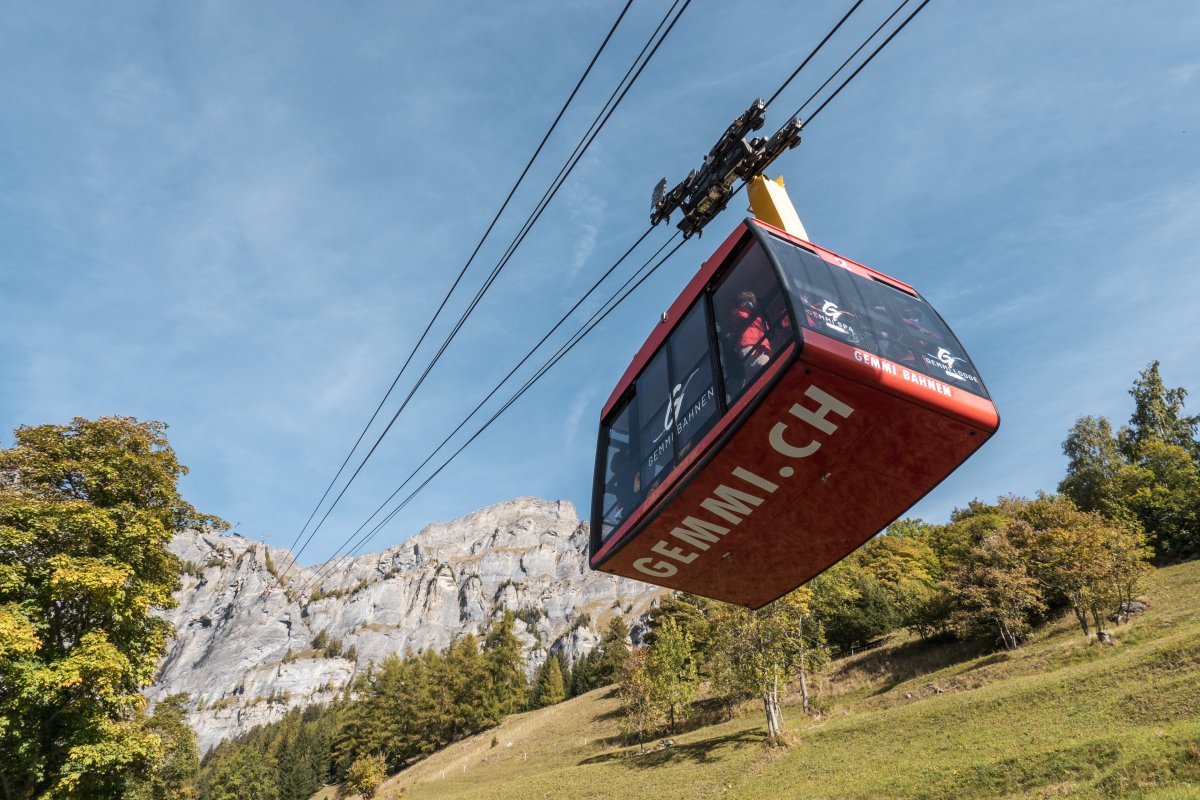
(1061, 717)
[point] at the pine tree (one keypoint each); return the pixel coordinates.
(505, 666)
(614, 649)
(583, 674)
(550, 688)
(1158, 416)
(473, 703)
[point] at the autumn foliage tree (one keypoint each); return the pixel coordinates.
(1147, 472)
(641, 713)
(86, 513)
(763, 650)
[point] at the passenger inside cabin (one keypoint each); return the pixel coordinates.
(893, 345)
(750, 330)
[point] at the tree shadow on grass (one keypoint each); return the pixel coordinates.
(701, 752)
(886, 668)
(608, 715)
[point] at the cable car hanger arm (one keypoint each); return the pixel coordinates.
(706, 191)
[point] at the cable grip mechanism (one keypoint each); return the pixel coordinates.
(706, 191)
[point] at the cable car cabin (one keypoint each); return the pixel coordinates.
(791, 405)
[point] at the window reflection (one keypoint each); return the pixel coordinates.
(621, 482)
(874, 316)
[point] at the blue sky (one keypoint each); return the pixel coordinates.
(237, 218)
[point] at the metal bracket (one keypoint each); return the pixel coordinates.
(706, 191)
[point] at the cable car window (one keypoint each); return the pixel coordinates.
(656, 434)
(751, 319)
(936, 351)
(875, 317)
(828, 299)
(693, 407)
(621, 480)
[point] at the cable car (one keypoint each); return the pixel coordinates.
(790, 405)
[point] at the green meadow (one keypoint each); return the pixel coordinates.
(1060, 717)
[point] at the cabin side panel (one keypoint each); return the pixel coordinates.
(823, 464)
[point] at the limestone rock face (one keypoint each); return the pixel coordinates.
(244, 641)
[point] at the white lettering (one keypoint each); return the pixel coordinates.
(781, 445)
(750, 477)
(659, 569)
(928, 383)
(677, 553)
(734, 503)
(699, 533)
(817, 418)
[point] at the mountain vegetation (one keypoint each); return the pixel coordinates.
(86, 511)
(398, 712)
(1060, 716)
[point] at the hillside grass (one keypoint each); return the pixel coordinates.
(1061, 717)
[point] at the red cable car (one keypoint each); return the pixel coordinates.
(790, 405)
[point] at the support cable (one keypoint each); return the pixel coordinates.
(610, 305)
(457, 280)
(597, 125)
(815, 50)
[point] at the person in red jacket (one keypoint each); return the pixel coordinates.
(750, 332)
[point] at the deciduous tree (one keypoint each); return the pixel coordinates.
(762, 650)
(641, 715)
(86, 515)
(671, 663)
(992, 587)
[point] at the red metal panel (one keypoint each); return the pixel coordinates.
(833, 455)
(681, 473)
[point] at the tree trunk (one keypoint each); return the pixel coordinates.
(1004, 635)
(1081, 615)
(803, 676)
(1096, 617)
(771, 706)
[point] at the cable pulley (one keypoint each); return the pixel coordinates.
(706, 191)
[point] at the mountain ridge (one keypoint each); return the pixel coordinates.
(243, 649)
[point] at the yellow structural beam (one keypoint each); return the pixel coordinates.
(770, 202)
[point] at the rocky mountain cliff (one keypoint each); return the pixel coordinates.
(244, 641)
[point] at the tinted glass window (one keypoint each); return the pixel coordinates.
(934, 348)
(656, 434)
(693, 396)
(875, 317)
(751, 319)
(619, 495)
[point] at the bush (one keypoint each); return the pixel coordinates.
(365, 775)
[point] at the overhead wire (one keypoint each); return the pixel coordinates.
(861, 66)
(594, 130)
(625, 290)
(599, 316)
(814, 52)
(537, 151)
(334, 562)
